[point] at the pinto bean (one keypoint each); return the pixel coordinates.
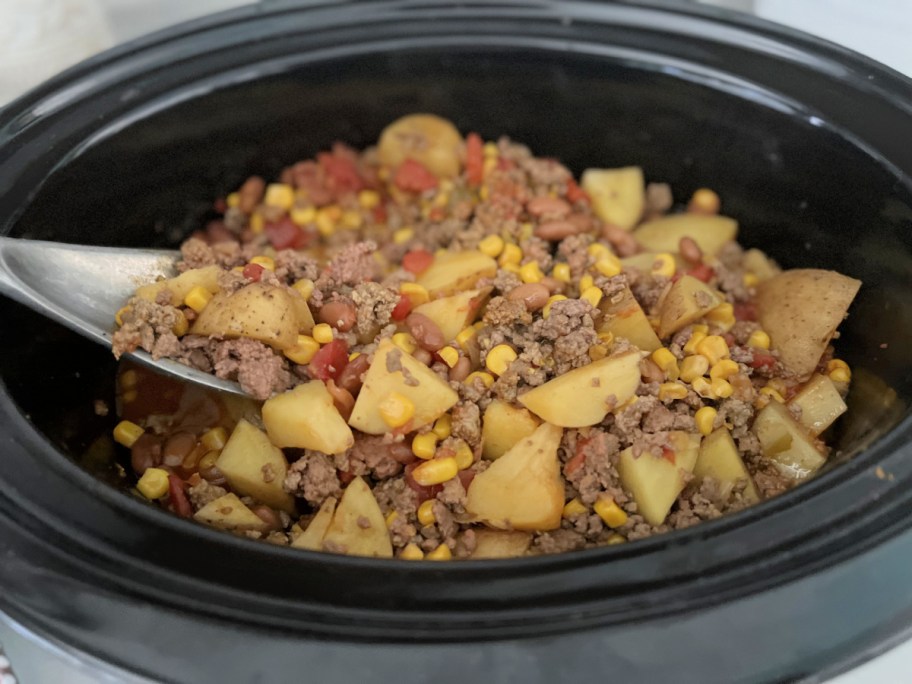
(461, 370)
(548, 206)
(268, 516)
(425, 331)
(176, 448)
(251, 193)
(350, 377)
(622, 240)
(342, 398)
(533, 295)
(690, 250)
(424, 356)
(553, 284)
(339, 314)
(402, 452)
(146, 452)
(556, 230)
(650, 371)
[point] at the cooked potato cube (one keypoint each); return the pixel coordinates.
(255, 467)
(820, 404)
(501, 543)
(180, 286)
(452, 272)
(617, 195)
(786, 443)
(709, 232)
(720, 460)
(503, 426)
(306, 418)
(358, 527)
(312, 537)
(454, 313)
(228, 512)
(624, 317)
(687, 301)
(431, 140)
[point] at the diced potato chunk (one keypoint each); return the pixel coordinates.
(709, 232)
(624, 317)
(760, 265)
(654, 481)
(452, 272)
(786, 443)
(617, 195)
(306, 418)
(392, 370)
(820, 404)
(429, 139)
(687, 301)
(358, 527)
(720, 460)
(452, 314)
(523, 489)
(180, 286)
(270, 314)
(801, 309)
(255, 467)
(645, 261)
(503, 426)
(228, 512)
(312, 537)
(501, 543)
(585, 395)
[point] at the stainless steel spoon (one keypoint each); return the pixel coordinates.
(84, 287)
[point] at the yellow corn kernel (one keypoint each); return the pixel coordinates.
(525, 231)
(323, 333)
(758, 340)
(426, 513)
(664, 265)
(714, 348)
(773, 394)
(411, 552)
(279, 195)
(546, 311)
(478, 325)
(396, 410)
(233, 200)
(723, 370)
(531, 272)
(216, 438)
(303, 351)
(198, 298)
(573, 508)
(833, 364)
(606, 338)
(561, 272)
(327, 218)
(693, 367)
(441, 553)
(490, 149)
(443, 426)
(391, 518)
(466, 337)
(499, 358)
(353, 356)
(436, 471)
(597, 352)
(121, 312)
(305, 287)
(266, 262)
(701, 328)
(615, 539)
(840, 375)
(722, 388)
(608, 265)
(703, 387)
(610, 512)
(257, 223)
(301, 216)
(129, 379)
(672, 390)
(486, 378)
(416, 293)
(405, 342)
(512, 268)
(777, 384)
(511, 254)
(665, 360)
(705, 417)
(690, 347)
(483, 193)
(705, 201)
(351, 219)
(425, 445)
(597, 249)
(489, 165)
(181, 325)
(449, 355)
(127, 432)
(586, 282)
(464, 455)
(368, 198)
(751, 280)
(492, 245)
(593, 295)
(403, 235)
(153, 484)
(723, 316)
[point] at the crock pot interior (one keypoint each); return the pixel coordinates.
(801, 191)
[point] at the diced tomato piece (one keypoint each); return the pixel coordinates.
(762, 360)
(575, 193)
(345, 476)
(466, 477)
(417, 261)
(668, 455)
(341, 172)
(745, 311)
(424, 493)
(253, 272)
(413, 176)
(402, 309)
(178, 497)
(329, 362)
(474, 159)
(729, 339)
(436, 214)
(286, 234)
(379, 213)
(702, 272)
(576, 462)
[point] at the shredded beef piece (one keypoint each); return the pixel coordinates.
(313, 477)
(504, 281)
(149, 326)
(648, 291)
(195, 253)
(453, 495)
(467, 423)
(375, 304)
(538, 250)
(231, 281)
(573, 250)
(370, 455)
(558, 541)
(545, 171)
(598, 474)
(258, 369)
(571, 330)
(292, 266)
(506, 312)
(353, 265)
(446, 524)
(204, 493)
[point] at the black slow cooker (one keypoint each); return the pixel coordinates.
(810, 147)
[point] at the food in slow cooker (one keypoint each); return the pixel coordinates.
(463, 353)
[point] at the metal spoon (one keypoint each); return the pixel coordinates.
(83, 287)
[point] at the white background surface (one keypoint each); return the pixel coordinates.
(40, 37)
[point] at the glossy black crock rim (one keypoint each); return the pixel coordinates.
(568, 592)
